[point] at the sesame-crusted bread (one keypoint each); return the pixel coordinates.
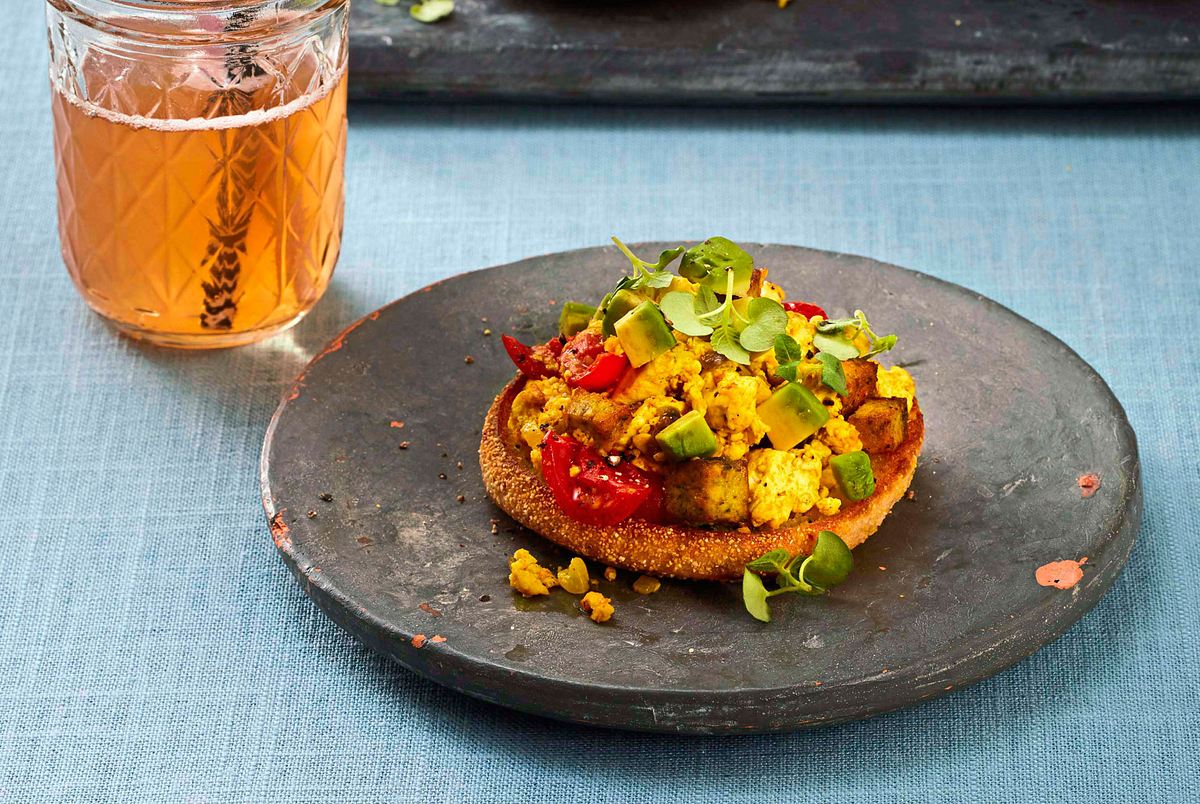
(672, 550)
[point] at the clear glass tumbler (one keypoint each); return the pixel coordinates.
(199, 149)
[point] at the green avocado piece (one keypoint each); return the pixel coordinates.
(689, 436)
(617, 306)
(574, 318)
(644, 334)
(792, 414)
(853, 474)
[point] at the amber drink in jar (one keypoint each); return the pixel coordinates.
(199, 150)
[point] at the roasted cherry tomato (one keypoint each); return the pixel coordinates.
(586, 365)
(598, 493)
(805, 309)
(533, 361)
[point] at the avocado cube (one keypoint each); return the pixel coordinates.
(708, 491)
(644, 334)
(853, 474)
(574, 318)
(616, 307)
(687, 437)
(792, 414)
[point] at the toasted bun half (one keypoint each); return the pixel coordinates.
(678, 551)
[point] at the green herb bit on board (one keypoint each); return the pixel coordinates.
(430, 10)
(829, 565)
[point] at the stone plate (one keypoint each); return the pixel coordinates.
(388, 529)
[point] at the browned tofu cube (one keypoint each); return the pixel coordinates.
(881, 423)
(595, 419)
(709, 491)
(860, 383)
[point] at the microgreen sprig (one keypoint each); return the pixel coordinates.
(649, 274)
(836, 336)
(790, 355)
(829, 565)
(709, 262)
(734, 334)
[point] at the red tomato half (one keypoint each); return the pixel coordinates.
(587, 366)
(599, 493)
(533, 361)
(805, 309)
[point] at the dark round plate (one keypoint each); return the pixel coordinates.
(388, 529)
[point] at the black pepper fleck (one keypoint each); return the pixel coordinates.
(441, 475)
(327, 497)
(485, 598)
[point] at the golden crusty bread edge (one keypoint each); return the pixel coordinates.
(678, 551)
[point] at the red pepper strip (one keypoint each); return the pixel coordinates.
(533, 361)
(805, 309)
(587, 366)
(599, 494)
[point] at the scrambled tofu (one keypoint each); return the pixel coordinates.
(742, 481)
(528, 577)
(782, 484)
(895, 383)
(840, 436)
(597, 606)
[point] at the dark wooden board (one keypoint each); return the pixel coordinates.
(1013, 418)
(749, 51)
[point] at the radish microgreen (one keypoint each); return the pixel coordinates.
(649, 274)
(829, 565)
(836, 336)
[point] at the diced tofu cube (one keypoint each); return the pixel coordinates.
(710, 491)
(860, 383)
(596, 419)
(881, 424)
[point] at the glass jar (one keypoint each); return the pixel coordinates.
(199, 151)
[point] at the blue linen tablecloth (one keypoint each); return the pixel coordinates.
(154, 648)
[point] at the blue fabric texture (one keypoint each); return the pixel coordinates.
(154, 648)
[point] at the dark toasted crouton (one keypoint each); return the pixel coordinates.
(881, 423)
(711, 491)
(596, 419)
(860, 383)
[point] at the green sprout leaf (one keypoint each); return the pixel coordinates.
(754, 596)
(648, 274)
(767, 319)
(680, 309)
(772, 561)
(725, 342)
(431, 10)
(836, 344)
(882, 345)
(830, 563)
(707, 263)
(786, 349)
(835, 336)
(832, 374)
(706, 301)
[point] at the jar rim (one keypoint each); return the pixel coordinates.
(202, 18)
